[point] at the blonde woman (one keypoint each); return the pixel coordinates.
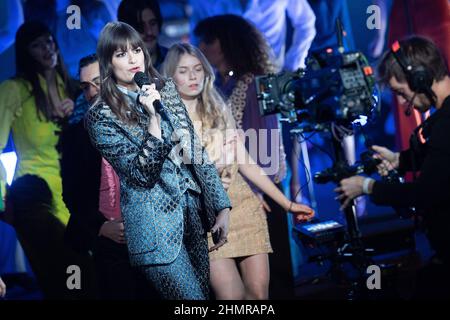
(240, 268)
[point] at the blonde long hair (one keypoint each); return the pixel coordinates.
(212, 108)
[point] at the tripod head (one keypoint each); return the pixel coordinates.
(341, 170)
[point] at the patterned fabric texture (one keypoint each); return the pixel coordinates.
(187, 277)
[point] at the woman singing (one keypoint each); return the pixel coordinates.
(171, 194)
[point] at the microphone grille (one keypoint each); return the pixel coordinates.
(141, 79)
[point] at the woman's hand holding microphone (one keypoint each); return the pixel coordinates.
(147, 97)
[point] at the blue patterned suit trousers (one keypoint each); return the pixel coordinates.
(187, 277)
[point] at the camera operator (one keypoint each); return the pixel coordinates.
(417, 73)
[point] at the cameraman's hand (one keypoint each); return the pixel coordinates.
(350, 188)
(389, 160)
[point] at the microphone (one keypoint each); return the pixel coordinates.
(142, 79)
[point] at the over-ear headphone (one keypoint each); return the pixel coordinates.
(418, 77)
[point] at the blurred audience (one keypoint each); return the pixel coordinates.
(271, 18)
(145, 16)
(75, 40)
(33, 106)
(29, 209)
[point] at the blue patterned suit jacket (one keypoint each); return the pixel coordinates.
(151, 179)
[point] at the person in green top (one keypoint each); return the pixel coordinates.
(33, 106)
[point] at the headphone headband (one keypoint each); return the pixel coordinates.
(401, 58)
(418, 77)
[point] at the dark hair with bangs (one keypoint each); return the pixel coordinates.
(114, 36)
(419, 51)
(130, 11)
(28, 69)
